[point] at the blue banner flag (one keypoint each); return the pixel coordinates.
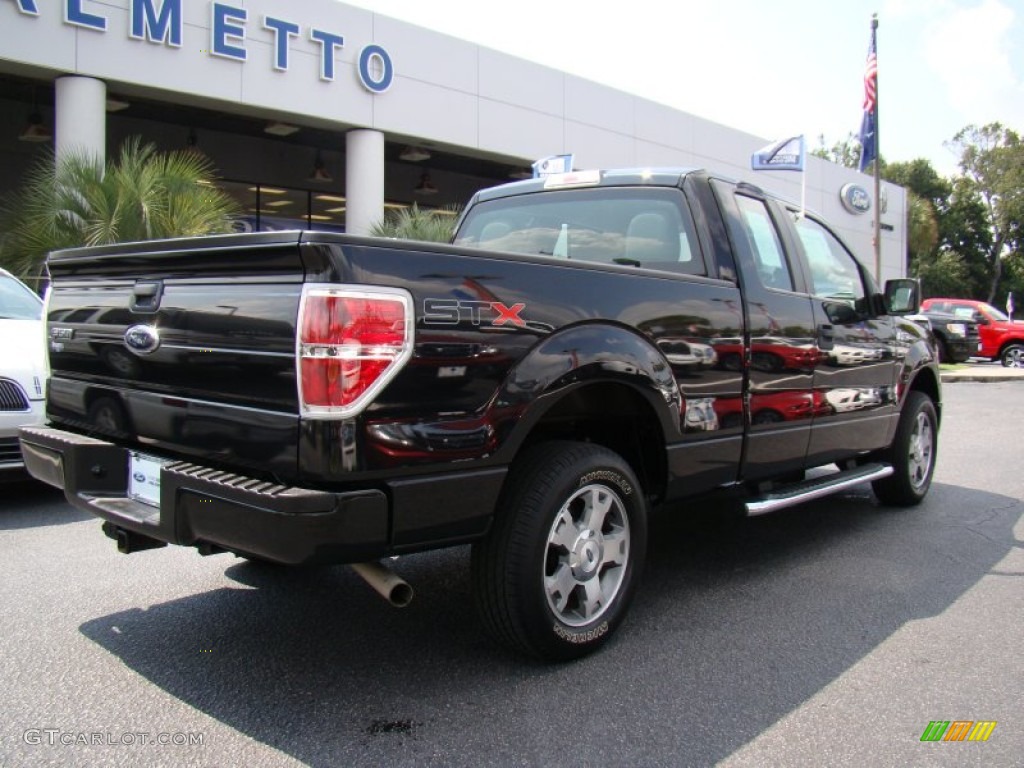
(548, 166)
(785, 155)
(869, 124)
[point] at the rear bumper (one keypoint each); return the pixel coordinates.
(202, 506)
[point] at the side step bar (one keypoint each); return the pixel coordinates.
(816, 487)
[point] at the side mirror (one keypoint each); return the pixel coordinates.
(902, 296)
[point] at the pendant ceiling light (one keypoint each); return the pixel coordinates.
(425, 187)
(320, 174)
(414, 155)
(36, 130)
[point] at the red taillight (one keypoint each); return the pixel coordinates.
(351, 342)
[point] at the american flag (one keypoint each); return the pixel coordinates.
(871, 76)
(869, 124)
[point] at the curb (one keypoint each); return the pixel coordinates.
(1009, 374)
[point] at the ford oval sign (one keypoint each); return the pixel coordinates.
(855, 198)
(142, 339)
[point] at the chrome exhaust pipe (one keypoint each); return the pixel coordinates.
(385, 582)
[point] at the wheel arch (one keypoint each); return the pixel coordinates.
(599, 383)
(1011, 342)
(927, 382)
(615, 416)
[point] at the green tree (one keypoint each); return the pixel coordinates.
(992, 163)
(920, 178)
(845, 152)
(965, 234)
(941, 275)
(143, 195)
(928, 196)
(922, 228)
(436, 226)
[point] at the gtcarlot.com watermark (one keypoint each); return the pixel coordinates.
(55, 737)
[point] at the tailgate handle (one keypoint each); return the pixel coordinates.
(146, 296)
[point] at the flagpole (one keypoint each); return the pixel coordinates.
(803, 182)
(878, 165)
(803, 193)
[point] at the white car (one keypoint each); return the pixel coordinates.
(22, 366)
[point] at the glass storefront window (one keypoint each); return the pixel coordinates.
(281, 208)
(327, 211)
(269, 208)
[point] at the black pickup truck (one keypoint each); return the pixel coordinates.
(589, 347)
(956, 338)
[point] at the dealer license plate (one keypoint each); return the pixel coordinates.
(144, 478)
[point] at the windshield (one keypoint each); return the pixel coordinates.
(996, 314)
(632, 226)
(17, 302)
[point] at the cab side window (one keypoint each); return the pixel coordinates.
(967, 312)
(834, 272)
(770, 259)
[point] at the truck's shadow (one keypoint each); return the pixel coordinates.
(735, 626)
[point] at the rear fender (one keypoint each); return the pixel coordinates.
(579, 356)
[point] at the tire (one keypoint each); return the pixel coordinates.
(766, 361)
(1013, 356)
(555, 575)
(912, 454)
(731, 362)
(767, 416)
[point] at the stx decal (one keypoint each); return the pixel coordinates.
(487, 313)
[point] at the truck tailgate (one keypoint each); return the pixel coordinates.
(184, 353)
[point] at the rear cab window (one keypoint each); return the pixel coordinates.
(645, 227)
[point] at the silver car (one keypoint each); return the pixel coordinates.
(22, 366)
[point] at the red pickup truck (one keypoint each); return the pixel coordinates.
(1001, 338)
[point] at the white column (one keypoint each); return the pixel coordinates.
(364, 180)
(81, 117)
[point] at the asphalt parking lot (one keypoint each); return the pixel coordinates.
(829, 634)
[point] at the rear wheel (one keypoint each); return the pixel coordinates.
(1013, 356)
(556, 574)
(912, 454)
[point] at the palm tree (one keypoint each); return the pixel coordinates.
(436, 226)
(144, 195)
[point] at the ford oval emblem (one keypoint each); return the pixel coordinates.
(855, 198)
(142, 339)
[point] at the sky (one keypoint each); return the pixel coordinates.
(772, 68)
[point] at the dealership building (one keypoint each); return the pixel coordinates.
(322, 115)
